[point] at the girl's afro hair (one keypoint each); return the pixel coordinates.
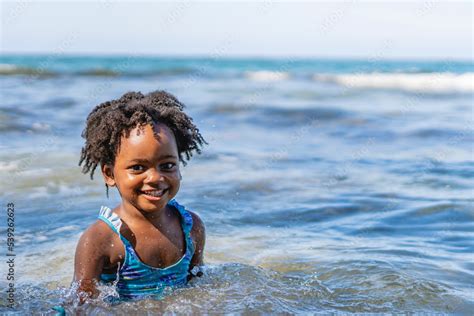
(111, 120)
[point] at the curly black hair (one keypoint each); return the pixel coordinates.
(111, 120)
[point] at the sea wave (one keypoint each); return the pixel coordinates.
(99, 72)
(15, 70)
(9, 69)
(265, 75)
(103, 72)
(441, 82)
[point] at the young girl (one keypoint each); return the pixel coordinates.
(149, 241)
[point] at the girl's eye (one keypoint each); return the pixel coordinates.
(137, 168)
(168, 166)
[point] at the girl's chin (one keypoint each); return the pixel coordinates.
(149, 209)
(153, 205)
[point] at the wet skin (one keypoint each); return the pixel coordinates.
(147, 160)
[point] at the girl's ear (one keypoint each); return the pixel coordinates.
(108, 173)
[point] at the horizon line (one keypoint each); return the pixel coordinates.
(237, 56)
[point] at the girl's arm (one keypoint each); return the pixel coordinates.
(198, 234)
(89, 260)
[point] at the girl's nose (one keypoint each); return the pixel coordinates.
(153, 175)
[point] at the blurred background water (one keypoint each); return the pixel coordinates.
(327, 186)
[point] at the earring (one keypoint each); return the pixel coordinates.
(107, 190)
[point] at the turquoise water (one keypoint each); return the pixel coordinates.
(327, 185)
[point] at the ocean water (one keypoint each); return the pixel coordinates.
(327, 185)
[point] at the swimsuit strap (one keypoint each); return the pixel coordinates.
(186, 223)
(110, 218)
(114, 222)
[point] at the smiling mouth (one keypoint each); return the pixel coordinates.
(154, 193)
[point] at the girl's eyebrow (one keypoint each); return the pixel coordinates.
(139, 160)
(167, 156)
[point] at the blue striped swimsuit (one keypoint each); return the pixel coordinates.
(136, 279)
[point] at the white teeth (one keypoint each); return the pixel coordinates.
(155, 193)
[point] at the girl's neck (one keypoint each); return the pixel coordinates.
(131, 214)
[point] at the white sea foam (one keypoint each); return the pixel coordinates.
(265, 75)
(7, 67)
(421, 82)
(67, 228)
(40, 127)
(9, 165)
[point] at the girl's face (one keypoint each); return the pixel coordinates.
(146, 170)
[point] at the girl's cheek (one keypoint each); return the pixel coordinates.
(135, 177)
(176, 175)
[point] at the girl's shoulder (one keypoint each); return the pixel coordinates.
(198, 224)
(98, 237)
(198, 231)
(99, 243)
(100, 230)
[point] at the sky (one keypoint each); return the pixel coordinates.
(346, 29)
